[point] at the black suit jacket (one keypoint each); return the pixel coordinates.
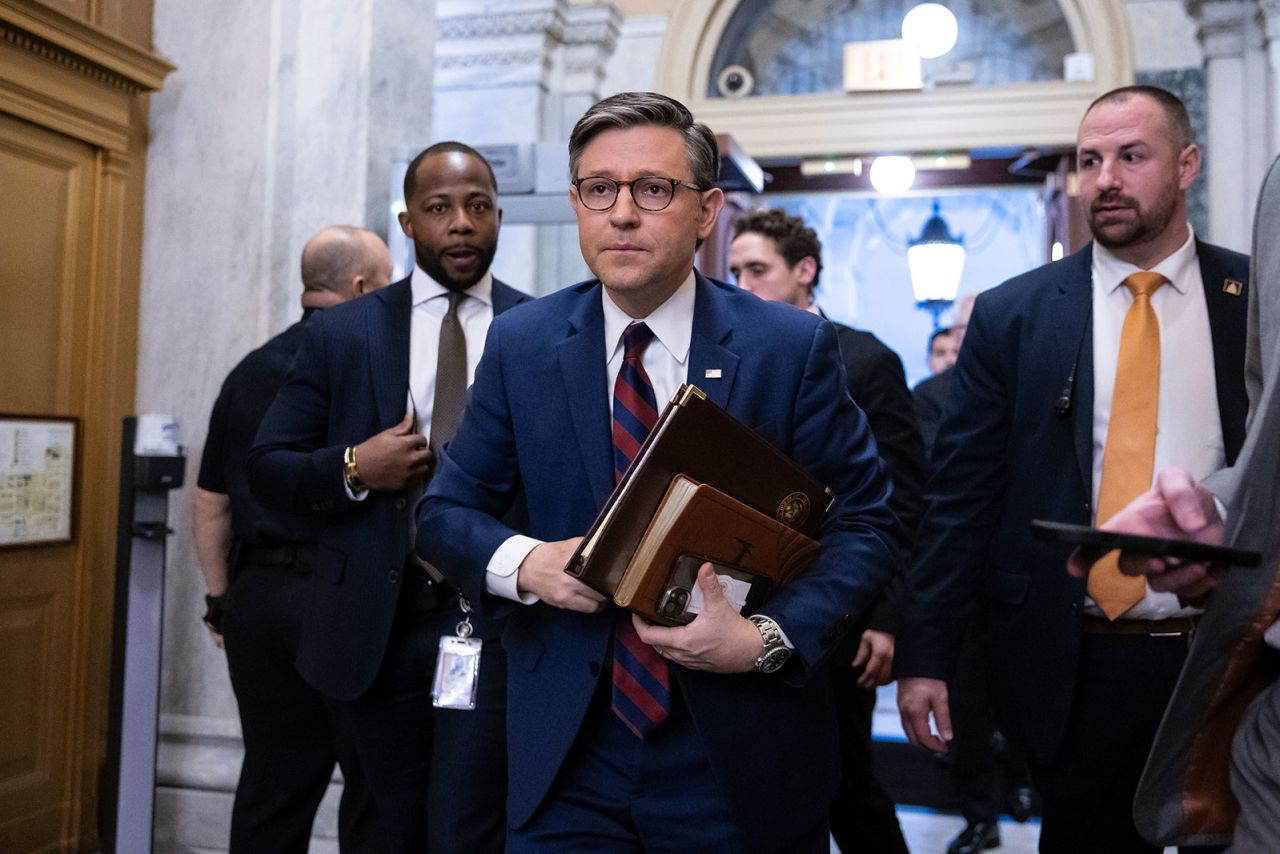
(1016, 444)
(349, 381)
(930, 399)
(877, 383)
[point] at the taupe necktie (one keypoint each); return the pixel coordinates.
(451, 377)
(1129, 456)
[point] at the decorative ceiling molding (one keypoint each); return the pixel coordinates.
(1043, 113)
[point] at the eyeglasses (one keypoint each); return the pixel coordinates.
(650, 193)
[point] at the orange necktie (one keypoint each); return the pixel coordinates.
(1128, 460)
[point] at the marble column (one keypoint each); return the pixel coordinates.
(535, 66)
(278, 121)
(1225, 27)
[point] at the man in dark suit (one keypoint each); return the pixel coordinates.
(719, 735)
(1075, 383)
(1194, 790)
(256, 576)
(376, 390)
(929, 397)
(777, 257)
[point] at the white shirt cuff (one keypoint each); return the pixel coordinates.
(501, 576)
(354, 496)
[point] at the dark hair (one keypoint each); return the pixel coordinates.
(411, 174)
(938, 333)
(1175, 112)
(794, 240)
(649, 109)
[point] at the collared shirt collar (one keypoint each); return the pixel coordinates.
(425, 287)
(671, 322)
(1109, 272)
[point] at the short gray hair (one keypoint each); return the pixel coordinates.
(649, 109)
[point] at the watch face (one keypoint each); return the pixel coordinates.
(772, 661)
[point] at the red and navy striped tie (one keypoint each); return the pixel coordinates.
(641, 680)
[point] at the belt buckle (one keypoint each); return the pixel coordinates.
(1151, 624)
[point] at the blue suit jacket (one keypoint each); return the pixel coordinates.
(1016, 444)
(349, 381)
(539, 417)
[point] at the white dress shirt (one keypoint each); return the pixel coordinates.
(430, 303)
(665, 360)
(1188, 424)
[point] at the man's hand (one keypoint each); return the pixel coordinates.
(875, 657)
(391, 460)
(917, 697)
(719, 639)
(542, 574)
(217, 638)
(1177, 507)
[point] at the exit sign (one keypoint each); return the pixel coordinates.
(882, 65)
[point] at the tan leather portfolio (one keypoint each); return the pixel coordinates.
(753, 554)
(698, 439)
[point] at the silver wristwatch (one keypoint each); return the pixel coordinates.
(775, 652)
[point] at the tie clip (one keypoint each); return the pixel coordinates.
(1231, 286)
(713, 373)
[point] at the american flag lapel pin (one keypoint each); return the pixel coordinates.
(1231, 286)
(712, 373)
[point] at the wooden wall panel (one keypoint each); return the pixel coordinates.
(73, 108)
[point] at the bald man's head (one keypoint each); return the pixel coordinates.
(342, 262)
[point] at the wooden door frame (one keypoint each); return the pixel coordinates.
(69, 76)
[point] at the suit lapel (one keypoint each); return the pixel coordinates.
(1072, 307)
(712, 366)
(1227, 327)
(582, 365)
(388, 322)
(504, 297)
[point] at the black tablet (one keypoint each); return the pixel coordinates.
(1083, 535)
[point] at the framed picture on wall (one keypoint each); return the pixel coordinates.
(37, 479)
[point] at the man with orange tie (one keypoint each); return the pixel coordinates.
(1076, 383)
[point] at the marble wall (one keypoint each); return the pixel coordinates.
(279, 120)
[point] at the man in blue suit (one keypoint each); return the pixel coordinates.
(376, 389)
(1079, 677)
(727, 757)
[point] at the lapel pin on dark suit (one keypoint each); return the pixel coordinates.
(712, 373)
(1231, 286)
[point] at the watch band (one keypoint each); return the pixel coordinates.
(349, 470)
(775, 652)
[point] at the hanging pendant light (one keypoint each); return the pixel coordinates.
(936, 260)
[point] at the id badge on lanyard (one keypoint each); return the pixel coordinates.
(457, 666)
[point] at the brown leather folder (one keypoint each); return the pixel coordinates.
(753, 554)
(698, 439)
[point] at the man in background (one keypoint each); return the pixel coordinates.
(256, 568)
(929, 397)
(1194, 791)
(943, 348)
(1075, 383)
(377, 390)
(777, 257)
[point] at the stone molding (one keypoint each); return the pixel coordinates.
(838, 123)
(1226, 28)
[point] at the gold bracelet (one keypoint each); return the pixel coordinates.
(349, 471)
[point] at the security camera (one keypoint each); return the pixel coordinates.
(735, 82)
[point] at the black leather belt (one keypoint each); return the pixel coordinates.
(280, 555)
(1170, 628)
